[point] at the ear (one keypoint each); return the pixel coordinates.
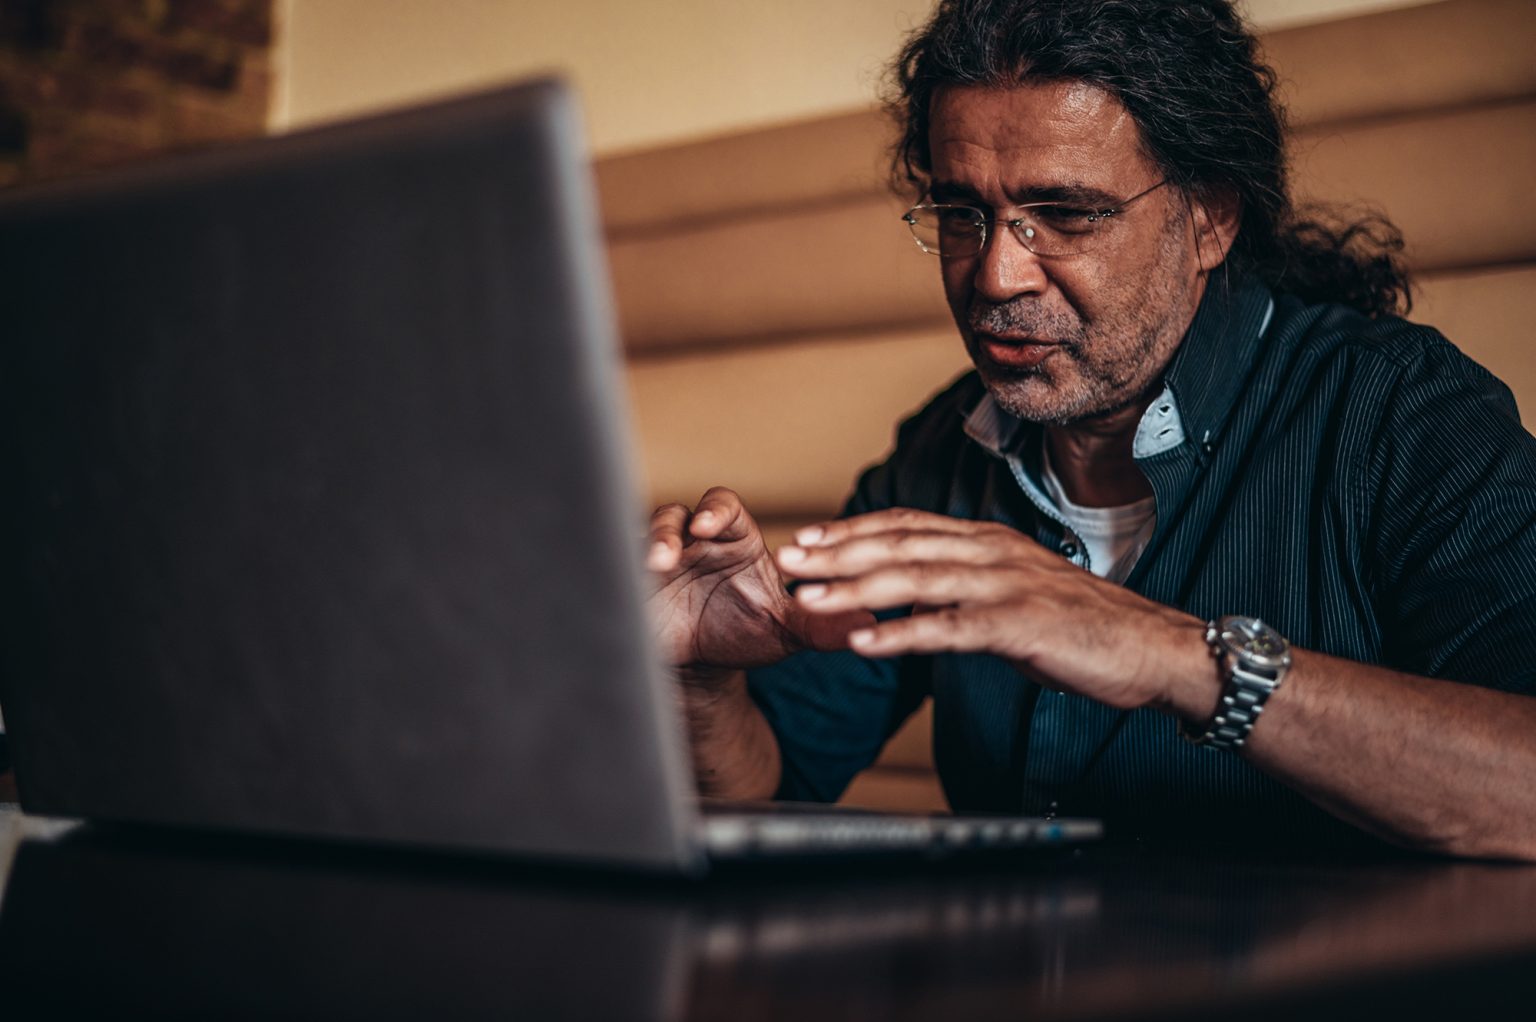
(1217, 216)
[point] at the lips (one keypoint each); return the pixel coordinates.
(1015, 352)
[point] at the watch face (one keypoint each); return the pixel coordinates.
(1255, 641)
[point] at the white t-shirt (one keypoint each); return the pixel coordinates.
(1112, 537)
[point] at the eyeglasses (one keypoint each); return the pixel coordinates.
(953, 231)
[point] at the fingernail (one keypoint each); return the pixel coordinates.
(791, 555)
(658, 553)
(811, 592)
(810, 534)
(703, 518)
(862, 637)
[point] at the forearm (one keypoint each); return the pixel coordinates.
(735, 754)
(1430, 764)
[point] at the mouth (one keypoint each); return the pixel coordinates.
(1020, 352)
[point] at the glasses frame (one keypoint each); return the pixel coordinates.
(1016, 222)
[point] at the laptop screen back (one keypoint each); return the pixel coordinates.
(320, 517)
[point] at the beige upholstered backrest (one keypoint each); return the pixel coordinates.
(779, 321)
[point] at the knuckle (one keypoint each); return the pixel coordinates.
(934, 576)
(997, 576)
(997, 534)
(939, 630)
(664, 515)
(951, 618)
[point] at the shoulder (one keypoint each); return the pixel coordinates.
(1387, 345)
(1381, 374)
(1423, 423)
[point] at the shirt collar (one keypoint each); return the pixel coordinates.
(990, 426)
(1200, 387)
(1223, 342)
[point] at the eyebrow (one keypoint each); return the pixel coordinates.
(1071, 192)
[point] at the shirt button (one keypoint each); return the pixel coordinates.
(1069, 549)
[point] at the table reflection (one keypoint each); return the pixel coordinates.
(142, 923)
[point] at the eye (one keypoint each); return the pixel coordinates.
(958, 217)
(1068, 219)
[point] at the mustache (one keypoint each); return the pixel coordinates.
(1022, 316)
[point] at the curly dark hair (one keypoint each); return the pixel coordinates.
(1189, 72)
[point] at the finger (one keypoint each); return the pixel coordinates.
(862, 554)
(906, 585)
(891, 519)
(951, 630)
(721, 516)
(666, 537)
(828, 631)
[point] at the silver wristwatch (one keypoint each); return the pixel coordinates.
(1253, 659)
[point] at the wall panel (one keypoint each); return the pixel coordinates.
(788, 426)
(1490, 315)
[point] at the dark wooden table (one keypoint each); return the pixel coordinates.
(113, 923)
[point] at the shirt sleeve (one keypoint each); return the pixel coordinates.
(1454, 510)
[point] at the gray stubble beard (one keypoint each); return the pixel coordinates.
(1103, 389)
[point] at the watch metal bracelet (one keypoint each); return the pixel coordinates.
(1245, 689)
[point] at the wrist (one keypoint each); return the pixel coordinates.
(734, 753)
(706, 690)
(711, 700)
(1193, 684)
(703, 677)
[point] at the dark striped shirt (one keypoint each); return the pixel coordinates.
(1359, 484)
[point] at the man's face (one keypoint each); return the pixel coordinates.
(1061, 339)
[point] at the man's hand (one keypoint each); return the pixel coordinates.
(720, 602)
(1337, 731)
(982, 587)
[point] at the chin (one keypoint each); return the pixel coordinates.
(1035, 398)
(1031, 396)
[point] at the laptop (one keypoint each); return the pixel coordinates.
(321, 516)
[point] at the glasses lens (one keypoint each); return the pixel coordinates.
(1048, 229)
(1056, 229)
(947, 230)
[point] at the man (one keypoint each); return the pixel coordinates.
(1202, 399)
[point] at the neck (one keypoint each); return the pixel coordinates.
(1093, 459)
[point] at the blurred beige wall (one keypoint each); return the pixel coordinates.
(650, 71)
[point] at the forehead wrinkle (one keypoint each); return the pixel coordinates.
(1064, 189)
(1071, 104)
(1023, 173)
(1017, 141)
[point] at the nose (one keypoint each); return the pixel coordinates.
(1005, 268)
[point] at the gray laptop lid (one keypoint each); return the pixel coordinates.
(318, 516)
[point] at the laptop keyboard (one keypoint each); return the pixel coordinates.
(753, 835)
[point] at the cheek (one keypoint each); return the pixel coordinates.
(1081, 286)
(959, 277)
